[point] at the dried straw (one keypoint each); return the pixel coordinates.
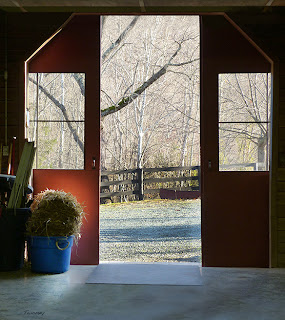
(55, 213)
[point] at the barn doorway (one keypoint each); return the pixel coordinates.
(224, 50)
(150, 139)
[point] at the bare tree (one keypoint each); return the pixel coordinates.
(149, 84)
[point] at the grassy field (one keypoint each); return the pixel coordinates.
(151, 231)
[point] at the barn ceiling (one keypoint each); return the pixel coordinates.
(102, 6)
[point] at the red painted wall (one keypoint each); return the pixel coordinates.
(77, 49)
(235, 205)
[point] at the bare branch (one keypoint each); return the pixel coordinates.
(127, 100)
(120, 39)
(103, 20)
(103, 91)
(183, 63)
(250, 136)
(80, 83)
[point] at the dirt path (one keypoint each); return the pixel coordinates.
(151, 231)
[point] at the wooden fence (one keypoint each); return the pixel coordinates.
(139, 182)
(238, 166)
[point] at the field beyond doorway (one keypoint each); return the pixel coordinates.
(151, 231)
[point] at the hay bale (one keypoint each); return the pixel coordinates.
(55, 213)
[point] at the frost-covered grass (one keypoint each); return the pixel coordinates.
(151, 231)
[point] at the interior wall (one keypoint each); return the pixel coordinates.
(235, 205)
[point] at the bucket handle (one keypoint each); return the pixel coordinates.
(62, 249)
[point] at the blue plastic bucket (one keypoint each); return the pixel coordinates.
(50, 254)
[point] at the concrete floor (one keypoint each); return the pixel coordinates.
(226, 293)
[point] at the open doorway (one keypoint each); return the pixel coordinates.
(150, 139)
(224, 50)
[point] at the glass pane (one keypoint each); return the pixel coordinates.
(55, 119)
(244, 116)
(56, 96)
(243, 147)
(244, 97)
(59, 145)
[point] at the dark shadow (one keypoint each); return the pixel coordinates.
(156, 233)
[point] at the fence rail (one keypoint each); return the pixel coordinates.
(253, 165)
(139, 182)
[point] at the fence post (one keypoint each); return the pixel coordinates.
(199, 177)
(140, 183)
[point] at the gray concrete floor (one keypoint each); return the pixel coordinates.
(226, 293)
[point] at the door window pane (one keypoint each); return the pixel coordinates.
(244, 120)
(55, 119)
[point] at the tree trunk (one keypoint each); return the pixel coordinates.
(261, 156)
